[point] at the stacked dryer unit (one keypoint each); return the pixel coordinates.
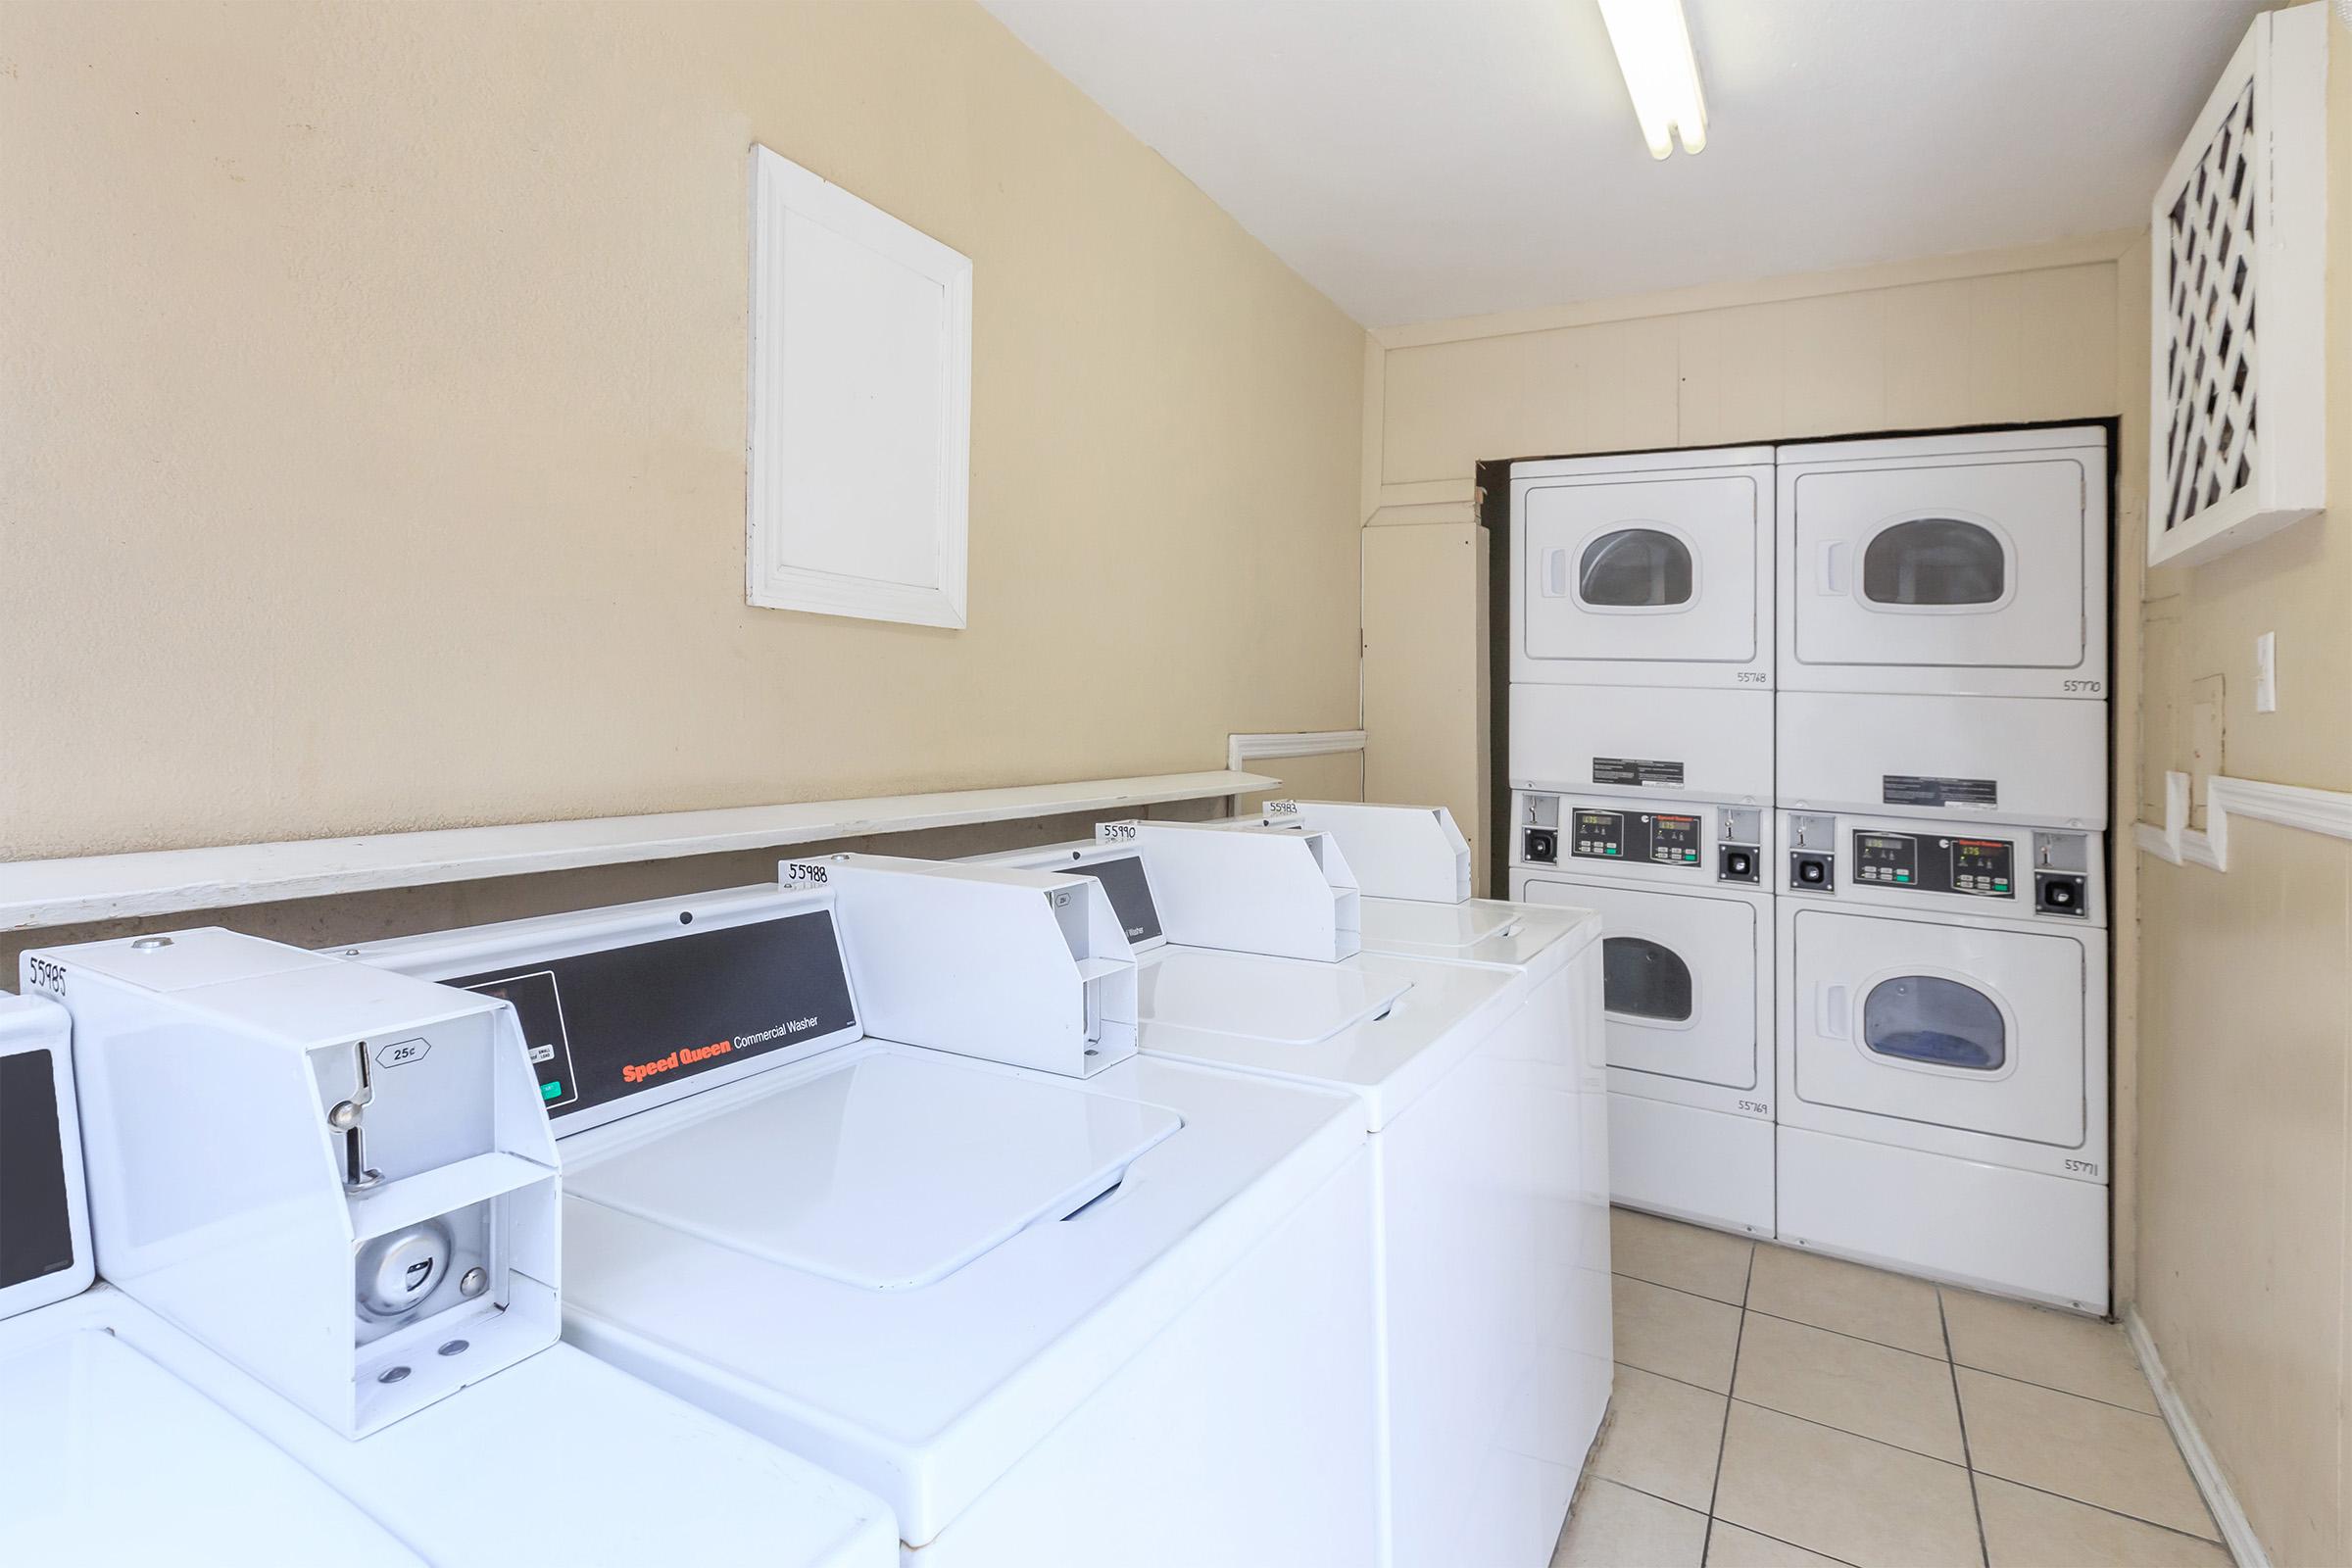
(1906, 1010)
(1942, 786)
(1641, 767)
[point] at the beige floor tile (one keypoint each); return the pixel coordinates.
(1662, 1438)
(2028, 1529)
(1730, 1546)
(1830, 1292)
(1689, 1258)
(2039, 1345)
(1845, 1497)
(1675, 1334)
(2093, 1452)
(1872, 1390)
(1616, 1527)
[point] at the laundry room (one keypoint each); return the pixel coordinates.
(1326, 783)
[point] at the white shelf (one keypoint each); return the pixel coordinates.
(111, 887)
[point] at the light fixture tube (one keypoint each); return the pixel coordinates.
(1653, 50)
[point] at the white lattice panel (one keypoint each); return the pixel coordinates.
(2238, 419)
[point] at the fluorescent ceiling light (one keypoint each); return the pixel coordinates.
(1653, 50)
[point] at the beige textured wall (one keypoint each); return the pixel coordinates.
(1993, 339)
(1425, 669)
(2245, 991)
(374, 399)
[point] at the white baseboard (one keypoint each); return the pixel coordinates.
(2237, 1534)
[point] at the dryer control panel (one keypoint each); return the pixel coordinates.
(1622, 836)
(1937, 863)
(2012, 872)
(1661, 837)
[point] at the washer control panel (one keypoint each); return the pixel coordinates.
(1935, 863)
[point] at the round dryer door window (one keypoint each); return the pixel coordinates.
(1927, 1018)
(1645, 979)
(1935, 563)
(1635, 568)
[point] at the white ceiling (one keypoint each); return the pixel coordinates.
(1422, 158)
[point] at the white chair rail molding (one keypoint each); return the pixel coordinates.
(2323, 812)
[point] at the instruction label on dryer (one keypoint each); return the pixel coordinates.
(1908, 789)
(1636, 772)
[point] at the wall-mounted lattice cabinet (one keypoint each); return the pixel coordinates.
(2237, 427)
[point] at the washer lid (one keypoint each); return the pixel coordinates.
(1289, 1001)
(1437, 925)
(886, 1172)
(106, 1457)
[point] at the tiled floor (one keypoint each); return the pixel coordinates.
(1775, 1407)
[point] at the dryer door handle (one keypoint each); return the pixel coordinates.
(1833, 566)
(1555, 573)
(1830, 1012)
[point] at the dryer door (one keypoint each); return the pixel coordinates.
(1972, 565)
(1679, 977)
(1622, 571)
(1982, 1031)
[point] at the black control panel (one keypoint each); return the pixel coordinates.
(1659, 838)
(1129, 891)
(1935, 863)
(604, 1025)
(36, 1231)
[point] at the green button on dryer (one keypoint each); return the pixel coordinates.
(552, 1090)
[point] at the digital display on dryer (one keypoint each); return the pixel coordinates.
(1981, 866)
(1891, 857)
(1673, 839)
(1933, 863)
(1599, 835)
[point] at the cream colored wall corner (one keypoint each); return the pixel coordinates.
(2129, 563)
(2245, 990)
(375, 391)
(1998, 337)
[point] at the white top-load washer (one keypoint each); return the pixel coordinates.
(1944, 1052)
(1944, 626)
(128, 1437)
(1413, 868)
(1492, 1198)
(1096, 1308)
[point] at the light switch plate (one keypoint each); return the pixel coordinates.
(2266, 672)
